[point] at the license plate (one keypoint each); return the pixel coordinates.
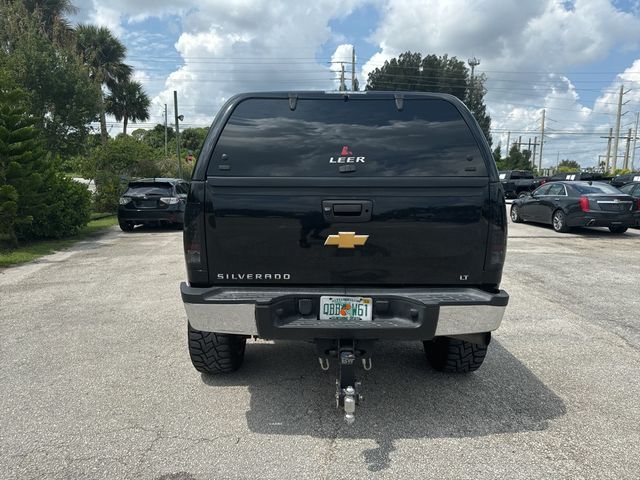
(346, 308)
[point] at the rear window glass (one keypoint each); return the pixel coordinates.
(149, 189)
(596, 188)
(265, 138)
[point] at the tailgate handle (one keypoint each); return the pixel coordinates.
(347, 210)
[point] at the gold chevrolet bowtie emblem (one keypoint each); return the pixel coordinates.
(346, 240)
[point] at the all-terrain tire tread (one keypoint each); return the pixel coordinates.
(215, 353)
(454, 356)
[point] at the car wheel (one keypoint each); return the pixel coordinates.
(617, 229)
(215, 353)
(522, 194)
(559, 222)
(454, 356)
(515, 214)
(126, 226)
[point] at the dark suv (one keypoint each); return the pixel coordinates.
(153, 201)
(343, 219)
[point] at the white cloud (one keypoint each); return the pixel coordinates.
(514, 38)
(246, 45)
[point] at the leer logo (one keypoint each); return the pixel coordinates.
(346, 156)
(346, 240)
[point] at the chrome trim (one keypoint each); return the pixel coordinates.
(463, 319)
(239, 319)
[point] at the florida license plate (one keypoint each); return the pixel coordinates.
(346, 308)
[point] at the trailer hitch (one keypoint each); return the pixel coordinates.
(347, 352)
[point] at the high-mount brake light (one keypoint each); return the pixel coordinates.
(584, 203)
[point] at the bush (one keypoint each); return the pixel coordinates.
(65, 210)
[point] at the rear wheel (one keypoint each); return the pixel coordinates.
(454, 356)
(215, 353)
(618, 229)
(559, 222)
(126, 226)
(515, 214)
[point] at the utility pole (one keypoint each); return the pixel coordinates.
(353, 68)
(557, 161)
(626, 153)
(617, 129)
(533, 157)
(610, 137)
(635, 137)
(508, 146)
(544, 112)
(166, 146)
(175, 109)
(473, 63)
(343, 87)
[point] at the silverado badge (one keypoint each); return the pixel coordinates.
(346, 240)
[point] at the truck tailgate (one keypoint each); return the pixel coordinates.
(432, 232)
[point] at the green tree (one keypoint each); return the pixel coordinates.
(62, 98)
(54, 17)
(497, 155)
(103, 55)
(128, 101)
(111, 165)
(192, 138)
(36, 201)
(517, 160)
(433, 73)
(20, 162)
(568, 166)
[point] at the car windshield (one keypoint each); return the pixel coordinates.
(138, 189)
(596, 188)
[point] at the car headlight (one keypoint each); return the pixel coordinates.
(170, 200)
(124, 200)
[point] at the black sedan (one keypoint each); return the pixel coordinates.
(577, 204)
(633, 189)
(154, 201)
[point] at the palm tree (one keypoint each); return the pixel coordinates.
(128, 101)
(103, 55)
(53, 14)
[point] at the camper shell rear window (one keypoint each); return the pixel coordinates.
(362, 137)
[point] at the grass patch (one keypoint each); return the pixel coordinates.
(31, 251)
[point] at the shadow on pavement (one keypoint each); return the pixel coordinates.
(404, 397)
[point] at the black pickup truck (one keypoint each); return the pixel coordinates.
(518, 183)
(344, 219)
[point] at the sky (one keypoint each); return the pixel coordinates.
(569, 58)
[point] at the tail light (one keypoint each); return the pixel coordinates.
(637, 203)
(170, 200)
(584, 203)
(194, 252)
(497, 246)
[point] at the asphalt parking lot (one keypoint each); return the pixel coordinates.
(96, 382)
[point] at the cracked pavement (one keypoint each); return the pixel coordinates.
(96, 382)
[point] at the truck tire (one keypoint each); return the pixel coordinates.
(451, 355)
(215, 353)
